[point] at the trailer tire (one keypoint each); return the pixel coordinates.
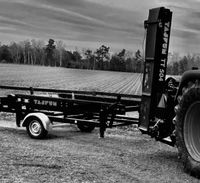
(85, 127)
(188, 129)
(35, 128)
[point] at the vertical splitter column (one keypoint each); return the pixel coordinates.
(158, 28)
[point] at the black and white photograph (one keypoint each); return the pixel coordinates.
(99, 91)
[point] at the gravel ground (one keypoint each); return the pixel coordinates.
(68, 155)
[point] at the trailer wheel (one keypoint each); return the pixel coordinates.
(188, 128)
(85, 127)
(35, 128)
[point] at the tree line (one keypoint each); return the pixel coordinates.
(35, 52)
(180, 64)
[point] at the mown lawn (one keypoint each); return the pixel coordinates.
(68, 155)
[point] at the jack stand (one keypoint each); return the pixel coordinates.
(103, 119)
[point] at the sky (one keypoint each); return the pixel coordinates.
(91, 23)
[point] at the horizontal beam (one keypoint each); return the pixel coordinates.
(56, 99)
(68, 91)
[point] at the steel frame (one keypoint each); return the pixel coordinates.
(100, 109)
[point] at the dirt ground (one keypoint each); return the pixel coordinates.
(67, 155)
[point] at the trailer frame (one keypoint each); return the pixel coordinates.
(82, 108)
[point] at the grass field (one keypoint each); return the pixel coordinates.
(69, 156)
(70, 79)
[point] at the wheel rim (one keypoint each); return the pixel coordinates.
(35, 128)
(192, 131)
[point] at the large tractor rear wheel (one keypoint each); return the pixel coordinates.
(188, 128)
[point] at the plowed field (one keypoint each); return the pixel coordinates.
(70, 79)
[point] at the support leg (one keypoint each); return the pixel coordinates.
(103, 119)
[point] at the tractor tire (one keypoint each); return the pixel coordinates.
(187, 128)
(35, 128)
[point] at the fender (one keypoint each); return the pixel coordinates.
(190, 75)
(43, 118)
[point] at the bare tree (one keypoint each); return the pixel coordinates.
(60, 46)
